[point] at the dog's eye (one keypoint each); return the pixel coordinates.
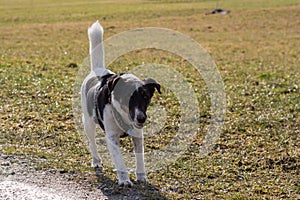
(144, 95)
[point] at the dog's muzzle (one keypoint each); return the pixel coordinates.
(140, 119)
(138, 125)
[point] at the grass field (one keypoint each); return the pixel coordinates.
(255, 47)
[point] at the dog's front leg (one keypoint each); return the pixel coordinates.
(113, 144)
(139, 158)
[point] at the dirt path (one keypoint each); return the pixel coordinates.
(19, 180)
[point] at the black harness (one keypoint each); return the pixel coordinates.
(98, 118)
(97, 110)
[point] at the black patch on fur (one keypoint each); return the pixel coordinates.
(103, 95)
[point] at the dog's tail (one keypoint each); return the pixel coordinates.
(95, 33)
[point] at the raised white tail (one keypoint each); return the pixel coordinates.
(95, 33)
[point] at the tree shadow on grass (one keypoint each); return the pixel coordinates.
(113, 191)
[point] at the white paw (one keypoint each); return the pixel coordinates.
(123, 179)
(125, 183)
(96, 163)
(141, 177)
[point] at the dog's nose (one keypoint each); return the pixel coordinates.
(141, 117)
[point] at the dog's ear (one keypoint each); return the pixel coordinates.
(151, 85)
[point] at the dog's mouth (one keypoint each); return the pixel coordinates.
(138, 125)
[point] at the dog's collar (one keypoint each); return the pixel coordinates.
(127, 128)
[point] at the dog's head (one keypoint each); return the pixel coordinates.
(131, 97)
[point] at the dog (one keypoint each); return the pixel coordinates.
(118, 103)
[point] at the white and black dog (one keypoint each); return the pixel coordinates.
(118, 103)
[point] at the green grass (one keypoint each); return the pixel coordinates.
(255, 47)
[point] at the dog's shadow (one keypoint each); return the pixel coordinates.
(139, 191)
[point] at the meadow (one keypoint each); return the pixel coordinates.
(255, 48)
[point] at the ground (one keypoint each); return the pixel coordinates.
(20, 180)
(255, 48)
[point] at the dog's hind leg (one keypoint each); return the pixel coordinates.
(90, 130)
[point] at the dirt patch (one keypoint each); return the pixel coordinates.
(19, 180)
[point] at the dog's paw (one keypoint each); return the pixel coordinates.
(123, 179)
(98, 170)
(125, 183)
(141, 177)
(96, 163)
